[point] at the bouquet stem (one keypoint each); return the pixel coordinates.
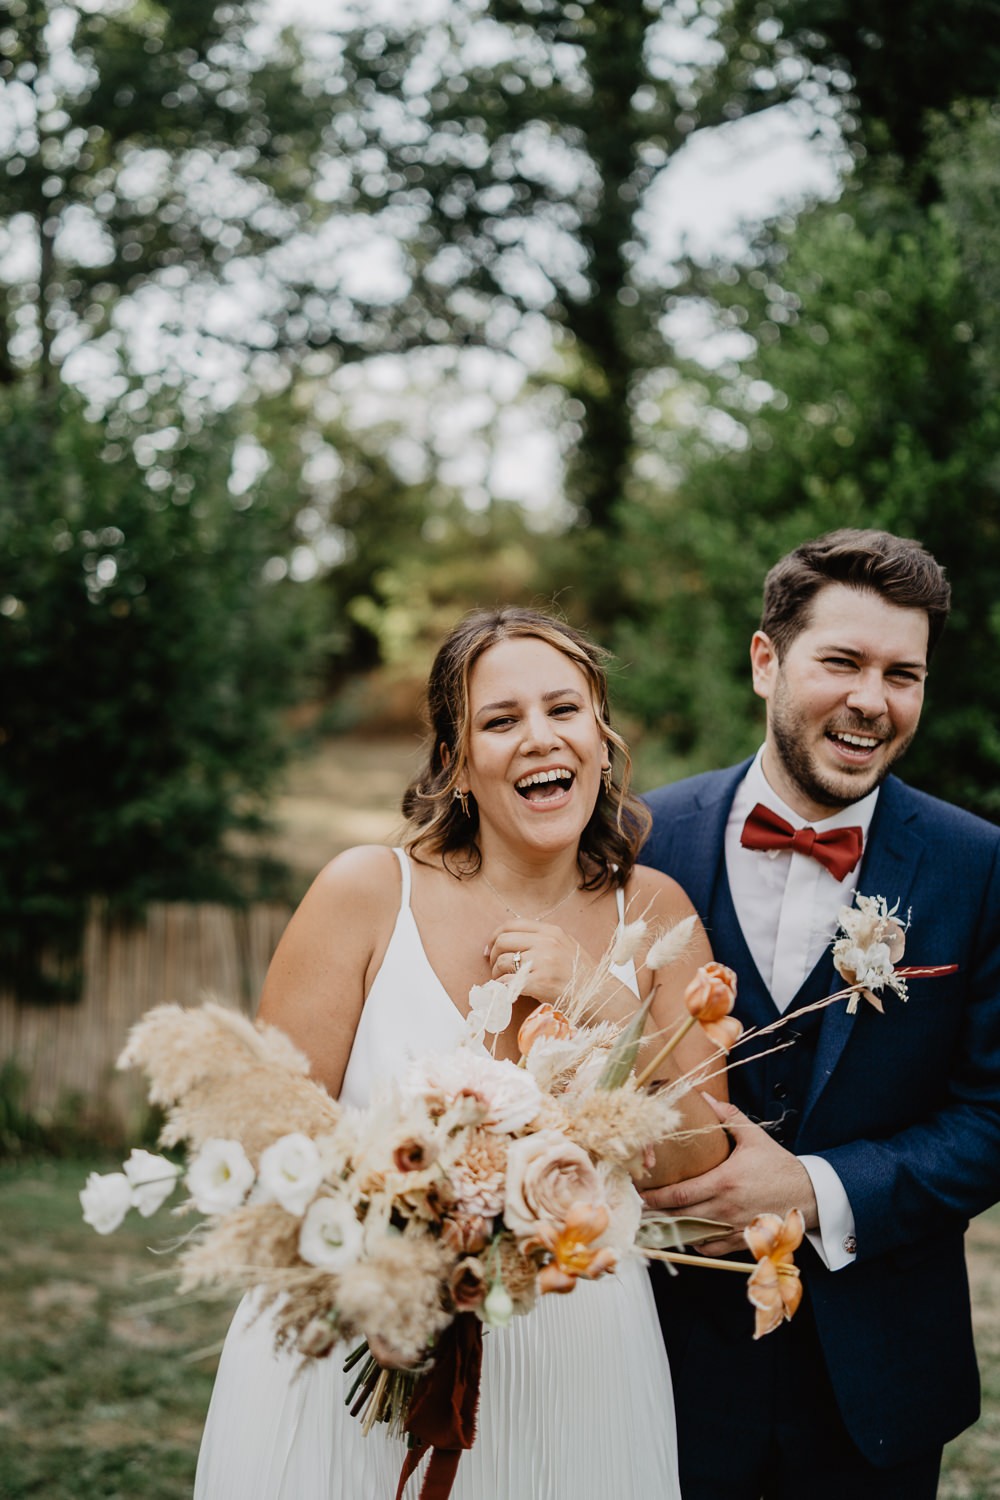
(665, 1051)
(678, 1257)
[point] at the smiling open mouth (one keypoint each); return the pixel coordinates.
(543, 786)
(851, 741)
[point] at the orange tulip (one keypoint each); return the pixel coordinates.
(774, 1287)
(711, 994)
(544, 1020)
(725, 1033)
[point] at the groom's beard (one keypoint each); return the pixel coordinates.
(830, 788)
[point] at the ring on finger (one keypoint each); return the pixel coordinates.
(517, 960)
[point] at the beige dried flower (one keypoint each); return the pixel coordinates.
(618, 1124)
(235, 1247)
(517, 1272)
(394, 1293)
(218, 1075)
(479, 1173)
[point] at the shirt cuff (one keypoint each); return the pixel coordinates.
(834, 1241)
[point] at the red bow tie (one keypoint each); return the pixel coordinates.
(837, 849)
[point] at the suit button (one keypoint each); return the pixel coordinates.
(850, 1244)
(780, 1091)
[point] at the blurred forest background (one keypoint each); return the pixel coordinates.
(314, 335)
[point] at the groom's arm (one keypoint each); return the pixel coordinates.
(943, 1168)
(935, 1173)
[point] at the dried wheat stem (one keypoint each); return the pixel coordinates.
(665, 1051)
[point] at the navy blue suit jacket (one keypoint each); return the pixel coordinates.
(905, 1106)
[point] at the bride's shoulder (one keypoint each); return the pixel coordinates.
(366, 877)
(663, 896)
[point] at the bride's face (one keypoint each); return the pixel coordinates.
(535, 750)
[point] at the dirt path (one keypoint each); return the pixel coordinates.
(346, 792)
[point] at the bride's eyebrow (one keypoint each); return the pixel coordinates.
(506, 703)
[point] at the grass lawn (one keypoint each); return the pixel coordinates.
(97, 1395)
(100, 1399)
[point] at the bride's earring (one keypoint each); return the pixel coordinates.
(463, 798)
(606, 778)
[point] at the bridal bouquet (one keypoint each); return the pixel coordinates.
(467, 1189)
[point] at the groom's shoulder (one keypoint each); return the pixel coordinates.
(691, 792)
(935, 817)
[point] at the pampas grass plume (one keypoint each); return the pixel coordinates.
(671, 945)
(217, 1074)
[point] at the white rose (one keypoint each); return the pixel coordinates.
(508, 1096)
(152, 1180)
(105, 1200)
(219, 1177)
(291, 1171)
(331, 1236)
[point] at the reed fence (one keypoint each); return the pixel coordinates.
(178, 953)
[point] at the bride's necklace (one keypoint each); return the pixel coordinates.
(520, 914)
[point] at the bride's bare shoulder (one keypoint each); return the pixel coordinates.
(368, 869)
(651, 893)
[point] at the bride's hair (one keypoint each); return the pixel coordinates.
(610, 843)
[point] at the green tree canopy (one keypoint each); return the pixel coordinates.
(147, 646)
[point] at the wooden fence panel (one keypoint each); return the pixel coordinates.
(178, 954)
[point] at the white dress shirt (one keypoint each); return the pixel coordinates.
(787, 905)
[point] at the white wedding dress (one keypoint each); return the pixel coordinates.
(575, 1402)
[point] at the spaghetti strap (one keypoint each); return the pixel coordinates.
(404, 868)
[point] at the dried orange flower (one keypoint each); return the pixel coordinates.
(544, 1020)
(572, 1248)
(774, 1287)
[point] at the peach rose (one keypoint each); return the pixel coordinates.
(546, 1175)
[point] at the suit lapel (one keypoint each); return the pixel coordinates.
(888, 868)
(701, 834)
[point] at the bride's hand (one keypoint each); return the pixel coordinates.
(555, 958)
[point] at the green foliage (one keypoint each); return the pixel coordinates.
(862, 401)
(904, 62)
(145, 655)
(141, 143)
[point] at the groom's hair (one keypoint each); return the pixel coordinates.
(896, 568)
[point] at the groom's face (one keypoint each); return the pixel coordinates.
(844, 701)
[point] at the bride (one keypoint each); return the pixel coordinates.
(521, 849)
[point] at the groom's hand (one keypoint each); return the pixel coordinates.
(759, 1176)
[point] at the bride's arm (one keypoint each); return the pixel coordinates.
(703, 1143)
(328, 955)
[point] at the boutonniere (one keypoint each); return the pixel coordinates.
(868, 952)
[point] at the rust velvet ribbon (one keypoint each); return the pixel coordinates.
(442, 1414)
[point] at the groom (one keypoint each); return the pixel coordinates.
(884, 1129)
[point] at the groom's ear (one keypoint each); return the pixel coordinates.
(764, 664)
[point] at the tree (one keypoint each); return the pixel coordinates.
(144, 147)
(906, 65)
(147, 646)
(511, 150)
